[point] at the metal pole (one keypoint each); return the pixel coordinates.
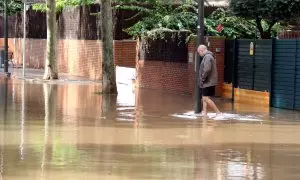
(22, 121)
(24, 38)
(5, 38)
(234, 69)
(200, 40)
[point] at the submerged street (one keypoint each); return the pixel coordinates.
(68, 131)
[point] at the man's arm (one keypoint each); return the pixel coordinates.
(207, 68)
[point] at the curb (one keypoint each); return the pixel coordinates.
(7, 75)
(62, 80)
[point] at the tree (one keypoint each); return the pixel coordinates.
(163, 16)
(13, 6)
(109, 85)
(160, 14)
(264, 12)
(108, 68)
(236, 27)
(61, 4)
(51, 7)
(50, 95)
(51, 64)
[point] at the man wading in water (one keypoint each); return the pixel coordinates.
(208, 79)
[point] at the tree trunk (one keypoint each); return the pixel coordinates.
(109, 106)
(109, 85)
(51, 65)
(263, 34)
(50, 100)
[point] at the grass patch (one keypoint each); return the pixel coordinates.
(98, 93)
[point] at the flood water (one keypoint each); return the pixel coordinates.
(66, 131)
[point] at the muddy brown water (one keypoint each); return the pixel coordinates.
(66, 131)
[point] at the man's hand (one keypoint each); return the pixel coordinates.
(201, 83)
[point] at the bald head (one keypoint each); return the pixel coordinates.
(202, 49)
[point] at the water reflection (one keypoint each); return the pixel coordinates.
(22, 120)
(109, 107)
(60, 131)
(48, 96)
(4, 96)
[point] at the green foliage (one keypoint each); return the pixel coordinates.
(234, 27)
(166, 34)
(265, 12)
(162, 15)
(237, 27)
(13, 6)
(61, 4)
(184, 18)
(265, 9)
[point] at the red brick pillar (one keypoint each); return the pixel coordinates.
(125, 53)
(191, 61)
(217, 46)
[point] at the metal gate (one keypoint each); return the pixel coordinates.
(272, 66)
(286, 75)
(229, 61)
(254, 70)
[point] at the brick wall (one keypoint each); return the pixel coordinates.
(289, 35)
(166, 76)
(218, 42)
(163, 75)
(75, 57)
(35, 52)
(80, 58)
(125, 53)
(179, 77)
(83, 58)
(10, 43)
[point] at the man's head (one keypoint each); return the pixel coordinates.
(202, 49)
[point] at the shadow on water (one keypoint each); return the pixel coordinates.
(4, 97)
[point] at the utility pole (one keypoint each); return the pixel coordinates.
(200, 40)
(5, 38)
(24, 36)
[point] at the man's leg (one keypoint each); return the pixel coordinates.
(211, 104)
(204, 107)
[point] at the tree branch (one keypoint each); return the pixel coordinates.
(271, 25)
(259, 26)
(134, 16)
(250, 22)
